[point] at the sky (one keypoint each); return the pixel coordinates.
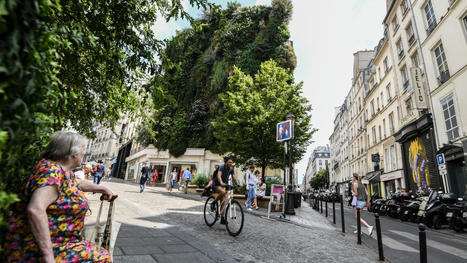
(325, 35)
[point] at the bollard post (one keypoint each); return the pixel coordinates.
(321, 205)
(342, 214)
(359, 228)
(326, 208)
(333, 212)
(378, 235)
(422, 240)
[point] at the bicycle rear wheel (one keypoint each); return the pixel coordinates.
(234, 217)
(210, 216)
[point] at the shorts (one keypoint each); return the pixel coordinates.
(361, 204)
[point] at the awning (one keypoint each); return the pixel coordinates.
(373, 177)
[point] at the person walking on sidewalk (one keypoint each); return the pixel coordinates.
(251, 182)
(145, 172)
(186, 179)
(99, 171)
(173, 178)
(361, 196)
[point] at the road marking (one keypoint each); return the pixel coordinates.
(391, 243)
(434, 244)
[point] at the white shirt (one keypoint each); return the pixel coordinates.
(261, 190)
(80, 174)
(174, 175)
(251, 179)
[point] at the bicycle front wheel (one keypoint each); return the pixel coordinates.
(234, 217)
(210, 215)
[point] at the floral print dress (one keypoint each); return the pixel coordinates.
(66, 220)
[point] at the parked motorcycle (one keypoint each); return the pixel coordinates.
(435, 215)
(409, 209)
(457, 215)
(423, 206)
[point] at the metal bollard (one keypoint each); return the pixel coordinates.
(380, 239)
(326, 208)
(422, 240)
(321, 205)
(359, 228)
(333, 212)
(342, 214)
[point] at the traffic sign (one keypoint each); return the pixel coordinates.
(443, 172)
(440, 158)
(284, 131)
(442, 167)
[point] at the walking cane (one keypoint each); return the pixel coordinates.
(103, 239)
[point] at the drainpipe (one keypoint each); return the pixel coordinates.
(426, 77)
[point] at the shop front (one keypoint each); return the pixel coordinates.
(373, 179)
(392, 181)
(457, 171)
(419, 155)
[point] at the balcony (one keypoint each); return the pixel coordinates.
(443, 77)
(411, 40)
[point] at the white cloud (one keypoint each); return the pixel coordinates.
(325, 36)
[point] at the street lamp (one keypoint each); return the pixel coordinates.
(290, 198)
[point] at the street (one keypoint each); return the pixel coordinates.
(400, 239)
(261, 240)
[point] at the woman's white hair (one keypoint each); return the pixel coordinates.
(62, 145)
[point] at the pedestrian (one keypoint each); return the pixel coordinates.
(173, 178)
(208, 187)
(99, 171)
(260, 190)
(46, 224)
(186, 179)
(251, 182)
(145, 172)
(87, 171)
(155, 176)
(360, 195)
(79, 173)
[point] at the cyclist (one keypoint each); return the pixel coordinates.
(219, 182)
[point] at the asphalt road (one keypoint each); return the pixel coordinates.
(401, 239)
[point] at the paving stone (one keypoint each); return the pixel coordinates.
(141, 250)
(177, 248)
(117, 251)
(183, 258)
(134, 259)
(161, 240)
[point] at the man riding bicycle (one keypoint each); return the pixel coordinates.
(219, 183)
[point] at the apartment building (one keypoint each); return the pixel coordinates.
(441, 27)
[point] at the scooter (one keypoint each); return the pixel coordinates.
(423, 206)
(409, 209)
(457, 215)
(435, 215)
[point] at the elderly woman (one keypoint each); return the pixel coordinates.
(47, 224)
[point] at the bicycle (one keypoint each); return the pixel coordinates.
(233, 211)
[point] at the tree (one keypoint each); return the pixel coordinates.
(252, 108)
(319, 180)
(197, 62)
(70, 63)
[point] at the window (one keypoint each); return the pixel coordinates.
(374, 134)
(380, 134)
(408, 105)
(386, 66)
(326, 162)
(377, 104)
(415, 60)
(382, 99)
(405, 78)
(442, 63)
(410, 35)
(372, 104)
(400, 48)
(395, 24)
(393, 153)
(379, 69)
(386, 160)
(430, 17)
(404, 7)
(449, 112)
(320, 162)
(384, 128)
(464, 20)
(388, 91)
(391, 123)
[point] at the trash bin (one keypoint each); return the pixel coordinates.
(297, 199)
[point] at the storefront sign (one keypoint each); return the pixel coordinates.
(391, 176)
(420, 93)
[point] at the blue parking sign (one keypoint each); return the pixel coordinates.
(440, 158)
(284, 131)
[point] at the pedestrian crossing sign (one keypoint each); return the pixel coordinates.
(284, 131)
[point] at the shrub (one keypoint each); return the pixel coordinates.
(200, 180)
(241, 189)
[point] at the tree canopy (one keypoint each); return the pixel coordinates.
(252, 108)
(319, 180)
(197, 63)
(70, 63)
